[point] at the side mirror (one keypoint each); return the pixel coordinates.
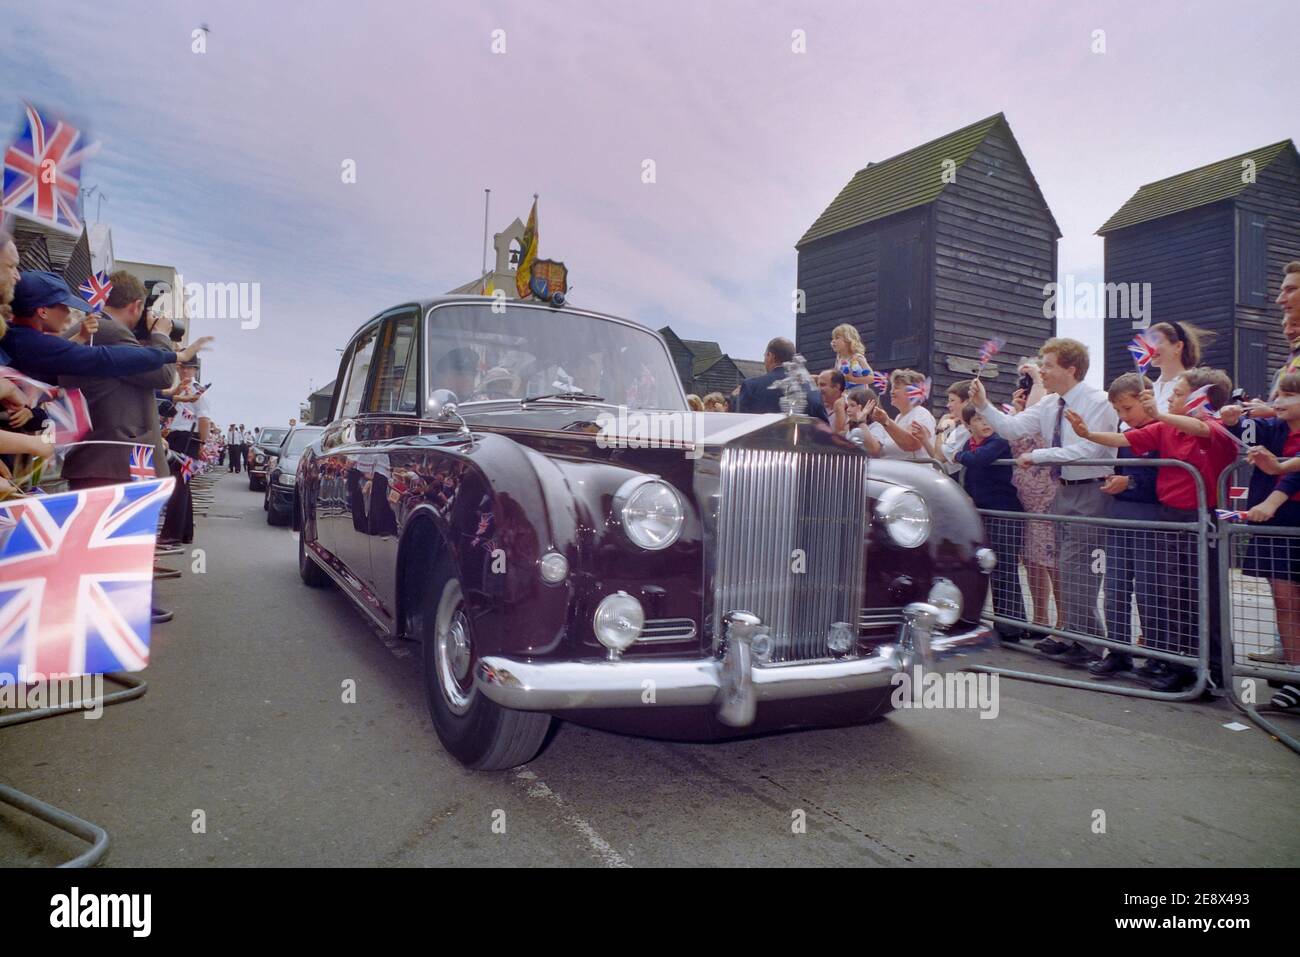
(442, 403)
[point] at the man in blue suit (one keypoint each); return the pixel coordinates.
(757, 394)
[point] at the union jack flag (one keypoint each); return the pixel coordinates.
(95, 290)
(919, 393)
(1142, 352)
(990, 349)
(69, 416)
(185, 462)
(142, 463)
(1198, 403)
(33, 391)
(1228, 515)
(42, 170)
(76, 579)
(1008, 408)
(880, 381)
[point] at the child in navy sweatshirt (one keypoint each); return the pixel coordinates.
(989, 486)
(1133, 555)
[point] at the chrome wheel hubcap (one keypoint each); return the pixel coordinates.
(454, 651)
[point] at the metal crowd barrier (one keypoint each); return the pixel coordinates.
(1134, 586)
(1260, 611)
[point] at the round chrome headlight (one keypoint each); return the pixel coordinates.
(618, 621)
(650, 511)
(905, 516)
(554, 568)
(946, 597)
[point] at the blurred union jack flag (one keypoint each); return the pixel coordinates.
(1142, 352)
(34, 392)
(42, 170)
(990, 349)
(69, 416)
(1198, 403)
(142, 463)
(76, 579)
(880, 380)
(919, 393)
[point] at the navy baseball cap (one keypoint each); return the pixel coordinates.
(38, 289)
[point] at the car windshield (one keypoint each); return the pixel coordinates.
(300, 439)
(481, 355)
(272, 436)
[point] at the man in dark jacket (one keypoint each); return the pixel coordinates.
(122, 409)
(42, 310)
(757, 394)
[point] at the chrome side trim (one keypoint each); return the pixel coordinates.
(349, 588)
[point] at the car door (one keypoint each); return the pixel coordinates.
(393, 405)
(341, 507)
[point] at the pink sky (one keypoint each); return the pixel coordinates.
(227, 164)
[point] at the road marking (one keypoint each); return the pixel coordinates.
(537, 788)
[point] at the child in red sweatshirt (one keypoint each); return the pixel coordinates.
(1203, 443)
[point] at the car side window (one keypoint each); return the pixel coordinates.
(393, 388)
(358, 371)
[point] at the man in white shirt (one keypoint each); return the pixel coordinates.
(232, 448)
(1064, 366)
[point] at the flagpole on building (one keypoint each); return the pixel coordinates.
(487, 198)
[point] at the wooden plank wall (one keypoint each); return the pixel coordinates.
(995, 250)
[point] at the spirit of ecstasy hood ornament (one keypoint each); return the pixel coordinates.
(794, 387)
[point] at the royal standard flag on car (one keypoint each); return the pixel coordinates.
(527, 255)
(76, 579)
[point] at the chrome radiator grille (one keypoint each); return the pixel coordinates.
(771, 503)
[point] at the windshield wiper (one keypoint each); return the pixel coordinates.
(581, 396)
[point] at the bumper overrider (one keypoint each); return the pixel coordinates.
(735, 682)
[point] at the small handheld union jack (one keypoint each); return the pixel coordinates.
(68, 415)
(142, 463)
(1228, 515)
(1008, 408)
(989, 350)
(95, 290)
(33, 391)
(1142, 351)
(187, 466)
(918, 393)
(880, 382)
(1198, 404)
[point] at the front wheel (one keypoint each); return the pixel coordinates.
(276, 517)
(478, 732)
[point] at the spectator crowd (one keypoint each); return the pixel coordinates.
(148, 415)
(1065, 448)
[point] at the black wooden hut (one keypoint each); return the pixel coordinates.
(931, 253)
(1212, 243)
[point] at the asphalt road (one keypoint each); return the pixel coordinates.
(244, 721)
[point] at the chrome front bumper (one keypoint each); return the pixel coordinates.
(733, 683)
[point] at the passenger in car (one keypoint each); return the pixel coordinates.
(457, 371)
